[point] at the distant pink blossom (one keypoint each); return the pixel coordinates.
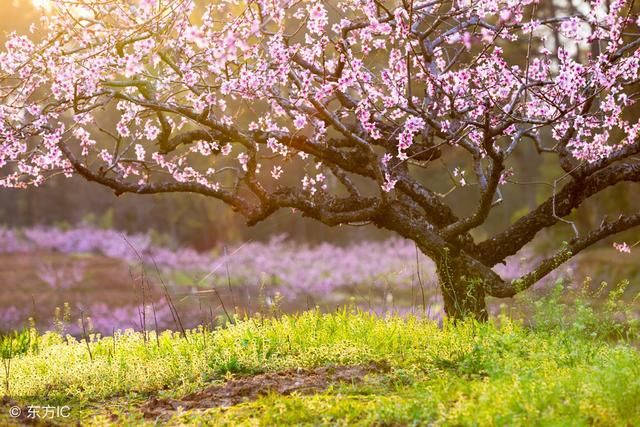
(622, 247)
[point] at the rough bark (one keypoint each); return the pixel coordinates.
(463, 279)
(462, 287)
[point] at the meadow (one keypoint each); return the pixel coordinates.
(574, 366)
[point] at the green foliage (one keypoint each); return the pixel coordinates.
(17, 343)
(500, 373)
(595, 311)
(12, 345)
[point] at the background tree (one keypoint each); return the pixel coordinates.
(382, 97)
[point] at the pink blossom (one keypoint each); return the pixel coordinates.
(140, 152)
(276, 172)
(389, 183)
(318, 18)
(300, 121)
(622, 247)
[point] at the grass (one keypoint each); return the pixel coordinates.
(499, 373)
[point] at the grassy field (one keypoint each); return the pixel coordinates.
(342, 368)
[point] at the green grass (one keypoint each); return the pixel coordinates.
(500, 373)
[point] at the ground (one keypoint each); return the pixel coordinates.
(342, 368)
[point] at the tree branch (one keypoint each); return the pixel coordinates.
(571, 196)
(567, 252)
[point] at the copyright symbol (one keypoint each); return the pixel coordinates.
(15, 411)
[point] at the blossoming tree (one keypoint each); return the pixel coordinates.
(340, 110)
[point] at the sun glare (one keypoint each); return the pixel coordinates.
(43, 4)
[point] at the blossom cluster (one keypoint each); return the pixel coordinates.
(239, 76)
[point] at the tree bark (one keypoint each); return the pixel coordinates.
(463, 279)
(462, 287)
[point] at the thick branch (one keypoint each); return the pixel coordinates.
(188, 137)
(400, 219)
(326, 209)
(567, 252)
(121, 187)
(571, 196)
(484, 207)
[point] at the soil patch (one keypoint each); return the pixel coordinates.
(235, 391)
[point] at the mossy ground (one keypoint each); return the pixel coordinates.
(499, 373)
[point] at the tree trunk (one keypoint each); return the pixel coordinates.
(462, 288)
(463, 279)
